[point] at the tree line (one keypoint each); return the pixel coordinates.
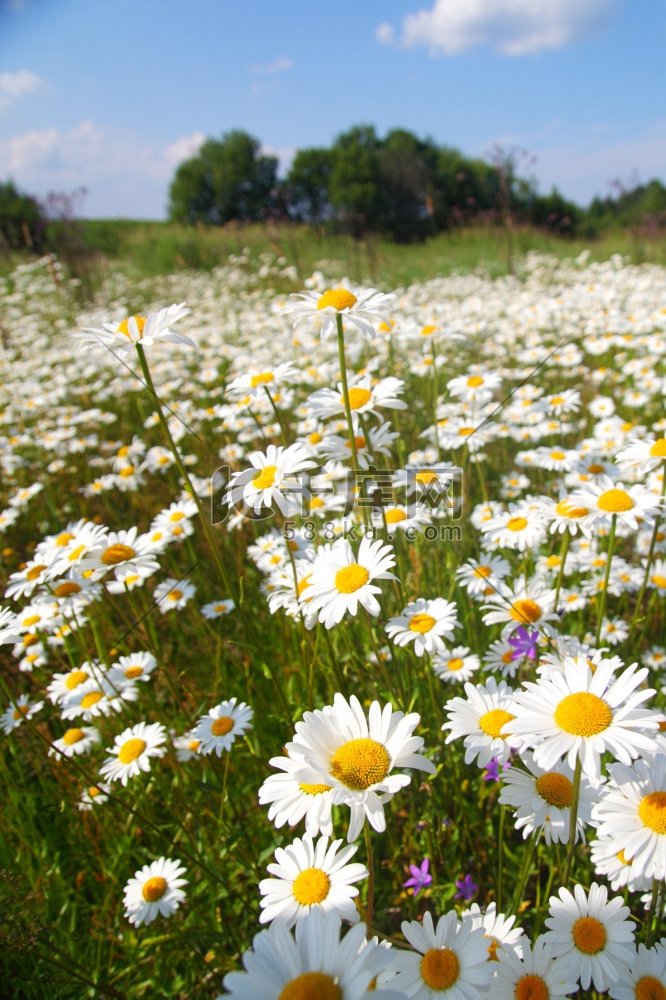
(401, 187)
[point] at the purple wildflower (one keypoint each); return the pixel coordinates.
(466, 888)
(420, 877)
(524, 643)
(492, 770)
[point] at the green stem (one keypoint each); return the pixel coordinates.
(604, 592)
(575, 795)
(500, 855)
(525, 868)
(563, 559)
(345, 396)
(653, 542)
(371, 878)
(278, 417)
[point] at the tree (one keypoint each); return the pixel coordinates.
(308, 183)
(355, 185)
(407, 169)
(228, 179)
(21, 220)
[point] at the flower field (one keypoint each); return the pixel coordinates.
(333, 634)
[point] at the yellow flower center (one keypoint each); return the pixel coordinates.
(305, 582)
(116, 554)
(474, 381)
(67, 589)
(93, 792)
(174, 595)
(133, 672)
(360, 763)
(557, 455)
(583, 714)
(589, 935)
(516, 524)
(455, 664)
(64, 539)
(130, 750)
(395, 515)
(622, 857)
(556, 400)
(30, 639)
(193, 745)
(492, 948)
(315, 437)
(75, 678)
(33, 573)
(565, 510)
(311, 986)
(73, 736)
(465, 431)
(649, 988)
(483, 571)
(531, 987)
(222, 726)
(220, 607)
(427, 330)
(440, 968)
(615, 501)
(555, 789)
(426, 477)
(351, 578)
(264, 478)
(658, 449)
(525, 611)
(553, 561)
(126, 472)
(358, 397)
(359, 441)
(154, 889)
(338, 298)
(311, 886)
(316, 502)
(262, 379)
(313, 789)
(32, 620)
(658, 581)
(91, 699)
(124, 326)
(491, 722)
(421, 623)
(652, 811)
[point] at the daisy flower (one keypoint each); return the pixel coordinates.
(95, 795)
(615, 866)
(218, 730)
(632, 809)
(14, 716)
(309, 875)
(456, 664)
(498, 929)
(146, 330)
(155, 889)
(643, 455)
(272, 479)
(8, 625)
(95, 696)
(592, 936)
(519, 605)
(481, 719)
(447, 961)
(580, 714)
(425, 623)
(314, 962)
(533, 976)
(644, 977)
(356, 756)
(186, 746)
(135, 667)
(542, 799)
(607, 499)
(364, 397)
(132, 751)
(75, 741)
(481, 577)
(215, 609)
(362, 309)
(172, 594)
(519, 528)
(292, 800)
(340, 580)
(253, 383)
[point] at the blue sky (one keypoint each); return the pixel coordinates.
(112, 94)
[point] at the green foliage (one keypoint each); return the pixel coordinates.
(228, 179)
(308, 184)
(21, 220)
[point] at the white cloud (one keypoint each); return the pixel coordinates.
(279, 65)
(285, 156)
(385, 33)
(13, 85)
(184, 148)
(512, 27)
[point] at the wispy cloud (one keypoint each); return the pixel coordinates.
(184, 148)
(279, 65)
(14, 85)
(511, 27)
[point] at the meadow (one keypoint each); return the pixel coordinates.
(333, 617)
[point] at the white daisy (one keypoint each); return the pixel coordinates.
(155, 889)
(173, 594)
(519, 527)
(481, 719)
(215, 609)
(144, 330)
(542, 799)
(498, 929)
(292, 800)
(75, 741)
(610, 860)
(592, 936)
(456, 664)
(425, 623)
(534, 976)
(356, 756)
(218, 730)
(362, 309)
(449, 961)
(644, 977)
(608, 499)
(14, 716)
(309, 875)
(582, 714)
(340, 580)
(135, 667)
(273, 479)
(314, 963)
(132, 751)
(8, 627)
(94, 795)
